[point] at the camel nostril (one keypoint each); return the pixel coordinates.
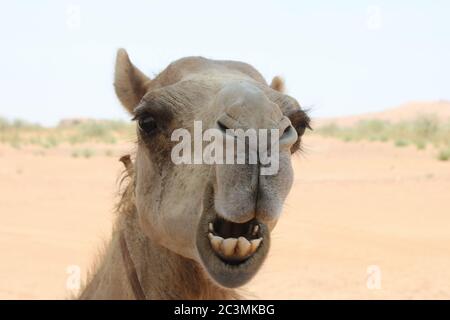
(286, 131)
(289, 136)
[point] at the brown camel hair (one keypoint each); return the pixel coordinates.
(177, 277)
(166, 244)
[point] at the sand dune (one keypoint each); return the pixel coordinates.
(404, 112)
(353, 206)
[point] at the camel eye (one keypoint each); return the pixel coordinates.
(147, 124)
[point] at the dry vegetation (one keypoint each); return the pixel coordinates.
(78, 135)
(422, 132)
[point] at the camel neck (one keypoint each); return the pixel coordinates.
(161, 273)
(164, 274)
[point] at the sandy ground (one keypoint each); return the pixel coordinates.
(406, 112)
(353, 206)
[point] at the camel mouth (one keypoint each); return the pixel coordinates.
(231, 253)
(234, 242)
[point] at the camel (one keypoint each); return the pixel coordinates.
(194, 231)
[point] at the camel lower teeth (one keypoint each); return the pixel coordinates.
(243, 247)
(232, 247)
(255, 244)
(216, 241)
(228, 246)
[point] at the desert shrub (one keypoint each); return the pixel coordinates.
(401, 143)
(19, 132)
(444, 155)
(422, 131)
(98, 131)
(331, 129)
(85, 153)
(4, 123)
(420, 145)
(15, 142)
(51, 141)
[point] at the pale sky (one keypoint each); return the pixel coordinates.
(57, 57)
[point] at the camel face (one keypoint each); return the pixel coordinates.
(219, 215)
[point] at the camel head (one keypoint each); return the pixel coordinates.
(217, 214)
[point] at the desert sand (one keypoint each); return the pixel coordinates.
(353, 206)
(405, 112)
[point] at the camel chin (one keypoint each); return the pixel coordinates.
(231, 253)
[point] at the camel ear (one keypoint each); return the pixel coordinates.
(277, 84)
(129, 82)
